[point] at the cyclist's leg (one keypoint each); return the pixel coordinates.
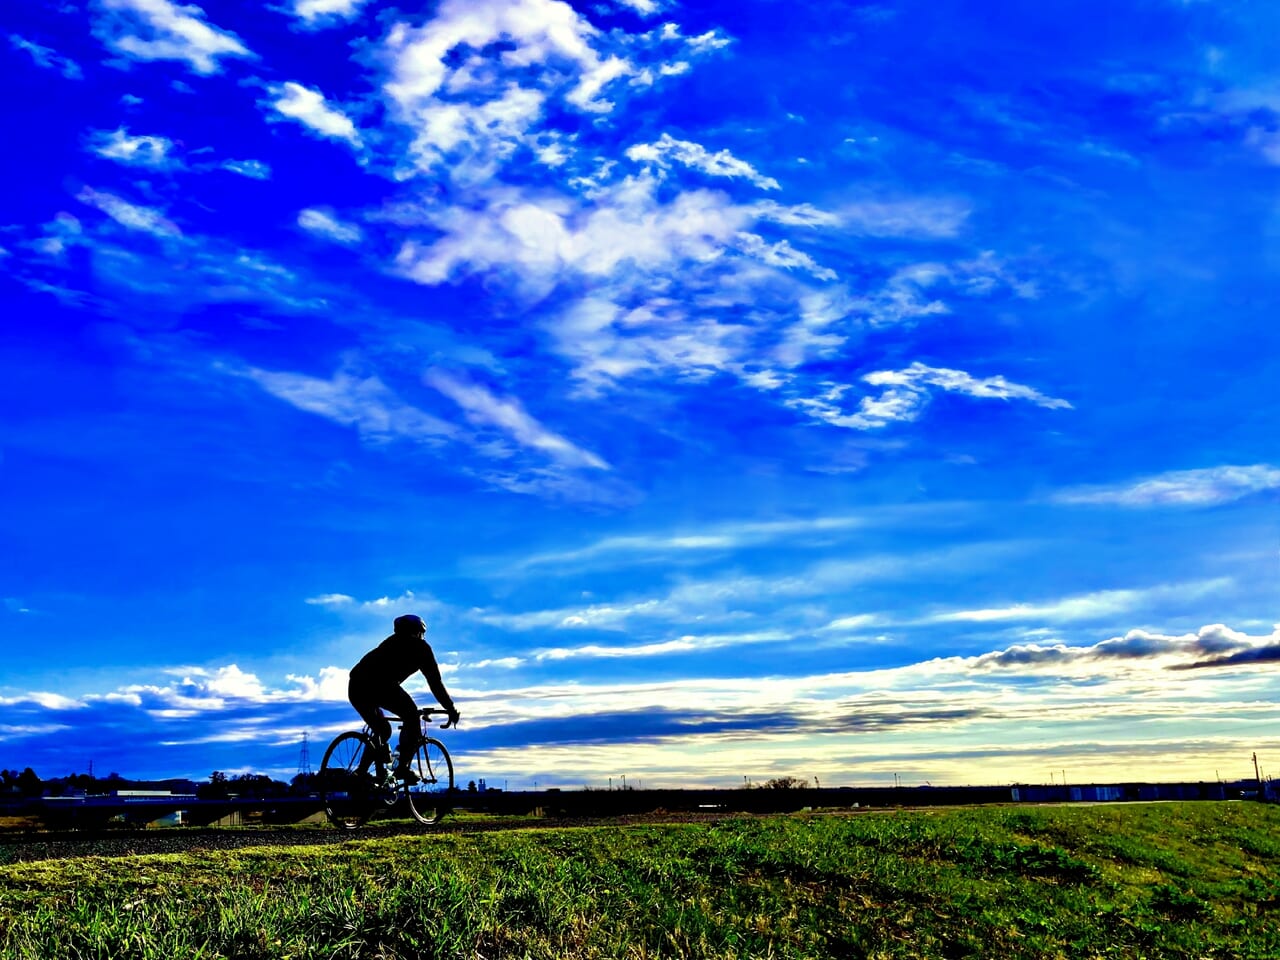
(401, 704)
(366, 701)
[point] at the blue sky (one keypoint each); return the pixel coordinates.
(833, 390)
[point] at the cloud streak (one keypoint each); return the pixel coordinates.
(161, 30)
(1206, 487)
(508, 415)
(907, 392)
(1091, 606)
(309, 107)
(667, 149)
(47, 58)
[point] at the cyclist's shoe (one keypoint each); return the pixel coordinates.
(407, 775)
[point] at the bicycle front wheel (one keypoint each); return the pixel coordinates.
(429, 797)
(346, 780)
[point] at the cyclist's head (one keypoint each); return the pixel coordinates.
(411, 624)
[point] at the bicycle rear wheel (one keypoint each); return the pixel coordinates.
(346, 780)
(429, 798)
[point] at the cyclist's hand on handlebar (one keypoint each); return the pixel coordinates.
(453, 719)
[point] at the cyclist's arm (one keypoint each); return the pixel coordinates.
(431, 670)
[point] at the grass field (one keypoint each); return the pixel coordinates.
(1139, 880)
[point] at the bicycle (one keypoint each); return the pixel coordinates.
(357, 777)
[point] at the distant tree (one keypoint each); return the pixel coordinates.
(215, 789)
(303, 783)
(786, 783)
(258, 785)
(471, 787)
(28, 783)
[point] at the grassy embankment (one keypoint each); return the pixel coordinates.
(1142, 880)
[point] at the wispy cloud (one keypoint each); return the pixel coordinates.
(161, 30)
(667, 150)
(919, 217)
(686, 644)
(132, 216)
(318, 12)
(1205, 487)
(906, 394)
(310, 108)
(139, 151)
(253, 169)
(722, 598)
(1090, 606)
(47, 58)
(325, 224)
(362, 402)
(508, 415)
(647, 547)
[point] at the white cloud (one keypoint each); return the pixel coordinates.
(726, 537)
(732, 598)
(645, 8)
(47, 58)
(228, 681)
(1091, 606)
(1212, 646)
(781, 254)
(542, 32)
(253, 169)
(331, 600)
(796, 215)
(685, 644)
(161, 30)
(545, 239)
(129, 215)
(508, 415)
(309, 108)
(55, 701)
(317, 11)
(364, 403)
(906, 218)
(957, 381)
(324, 224)
(608, 343)
(855, 622)
(141, 151)
(1209, 486)
(906, 394)
(722, 163)
(503, 663)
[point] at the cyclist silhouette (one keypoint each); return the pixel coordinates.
(376, 683)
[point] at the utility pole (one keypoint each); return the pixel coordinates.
(1256, 775)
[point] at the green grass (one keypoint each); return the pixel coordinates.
(1135, 881)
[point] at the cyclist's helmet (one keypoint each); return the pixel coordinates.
(410, 623)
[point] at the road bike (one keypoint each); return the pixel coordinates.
(358, 777)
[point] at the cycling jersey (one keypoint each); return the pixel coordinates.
(395, 659)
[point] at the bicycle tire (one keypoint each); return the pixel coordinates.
(429, 798)
(347, 787)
